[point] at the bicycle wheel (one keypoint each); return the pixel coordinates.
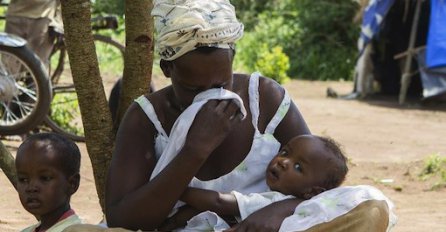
(25, 91)
(65, 117)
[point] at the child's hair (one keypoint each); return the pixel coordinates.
(339, 170)
(65, 148)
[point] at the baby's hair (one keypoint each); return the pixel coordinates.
(66, 150)
(339, 168)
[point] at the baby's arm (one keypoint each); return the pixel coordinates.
(203, 199)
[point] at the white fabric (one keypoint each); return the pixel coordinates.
(331, 204)
(35, 9)
(319, 209)
(59, 226)
(184, 121)
(248, 204)
(205, 221)
(183, 25)
(161, 140)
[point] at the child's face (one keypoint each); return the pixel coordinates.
(43, 188)
(299, 166)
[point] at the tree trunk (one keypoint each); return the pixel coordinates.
(7, 164)
(96, 117)
(138, 58)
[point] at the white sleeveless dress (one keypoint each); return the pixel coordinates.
(249, 175)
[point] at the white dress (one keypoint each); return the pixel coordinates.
(249, 175)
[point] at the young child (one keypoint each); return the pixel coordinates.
(48, 174)
(305, 167)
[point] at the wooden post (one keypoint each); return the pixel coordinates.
(405, 79)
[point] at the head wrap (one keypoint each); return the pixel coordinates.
(184, 25)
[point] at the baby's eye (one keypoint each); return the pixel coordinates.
(22, 179)
(297, 167)
(283, 153)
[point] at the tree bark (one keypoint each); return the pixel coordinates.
(95, 113)
(138, 57)
(7, 164)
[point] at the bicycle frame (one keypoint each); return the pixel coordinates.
(11, 40)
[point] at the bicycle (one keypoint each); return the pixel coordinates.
(25, 90)
(64, 116)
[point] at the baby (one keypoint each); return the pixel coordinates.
(48, 174)
(305, 167)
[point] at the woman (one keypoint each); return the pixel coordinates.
(221, 151)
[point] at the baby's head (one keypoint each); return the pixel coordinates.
(307, 166)
(48, 174)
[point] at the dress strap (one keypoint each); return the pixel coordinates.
(280, 114)
(145, 104)
(254, 98)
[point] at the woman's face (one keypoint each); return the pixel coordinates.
(198, 71)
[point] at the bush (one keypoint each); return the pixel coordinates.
(328, 40)
(318, 36)
(109, 7)
(273, 63)
(254, 46)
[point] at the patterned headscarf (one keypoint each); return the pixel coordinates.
(184, 25)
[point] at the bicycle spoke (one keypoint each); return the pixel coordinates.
(8, 117)
(25, 107)
(29, 92)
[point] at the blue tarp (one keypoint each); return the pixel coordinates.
(433, 79)
(436, 40)
(373, 17)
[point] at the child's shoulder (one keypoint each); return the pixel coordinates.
(31, 228)
(66, 222)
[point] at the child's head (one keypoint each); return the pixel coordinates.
(307, 166)
(48, 174)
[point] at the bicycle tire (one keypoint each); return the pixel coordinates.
(27, 107)
(104, 44)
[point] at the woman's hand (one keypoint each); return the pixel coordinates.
(259, 221)
(179, 219)
(268, 218)
(212, 125)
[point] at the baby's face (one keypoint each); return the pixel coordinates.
(300, 165)
(43, 188)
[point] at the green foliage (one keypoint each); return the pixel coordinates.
(273, 63)
(254, 45)
(328, 39)
(248, 10)
(65, 112)
(109, 6)
(318, 36)
(435, 166)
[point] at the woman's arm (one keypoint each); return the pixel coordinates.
(271, 96)
(131, 200)
(203, 199)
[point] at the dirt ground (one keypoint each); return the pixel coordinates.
(383, 141)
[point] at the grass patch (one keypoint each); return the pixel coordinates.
(434, 168)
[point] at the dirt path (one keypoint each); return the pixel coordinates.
(383, 141)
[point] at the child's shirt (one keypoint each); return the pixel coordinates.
(68, 218)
